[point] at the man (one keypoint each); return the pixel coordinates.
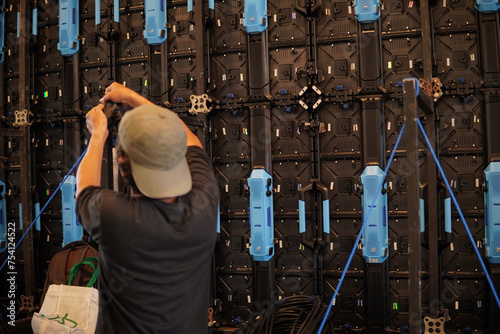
(155, 244)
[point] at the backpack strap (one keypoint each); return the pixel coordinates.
(91, 261)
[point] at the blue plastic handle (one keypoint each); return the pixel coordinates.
(38, 223)
(492, 212)
(487, 6)
(116, 10)
(447, 215)
(326, 216)
(34, 18)
(261, 215)
(20, 217)
(97, 12)
(72, 230)
(367, 11)
(190, 6)
(302, 216)
(218, 217)
(68, 27)
(422, 215)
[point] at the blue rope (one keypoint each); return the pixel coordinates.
(488, 278)
(353, 251)
(45, 206)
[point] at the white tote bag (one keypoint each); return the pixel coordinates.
(69, 309)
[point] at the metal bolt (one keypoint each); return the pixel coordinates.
(373, 250)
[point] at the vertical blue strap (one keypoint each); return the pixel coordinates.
(20, 217)
(98, 12)
(422, 215)
(2, 31)
(38, 225)
(116, 11)
(326, 216)
(190, 5)
(302, 216)
(18, 24)
(447, 215)
(34, 26)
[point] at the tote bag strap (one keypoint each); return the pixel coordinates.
(91, 261)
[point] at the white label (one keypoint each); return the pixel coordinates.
(124, 83)
(355, 127)
(444, 3)
(331, 185)
(456, 304)
(83, 40)
(411, 63)
(448, 62)
(45, 48)
(173, 28)
(227, 188)
(60, 92)
(275, 18)
(277, 132)
(475, 118)
(128, 35)
(389, 64)
(61, 142)
(453, 121)
(477, 183)
(327, 11)
(46, 142)
(218, 22)
(8, 98)
(329, 127)
(478, 244)
(223, 77)
(395, 246)
(279, 188)
(452, 248)
(329, 70)
(249, 299)
(224, 131)
(390, 184)
(349, 9)
(275, 72)
(9, 52)
(353, 66)
(241, 76)
(389, 126)
(171, 82)
(9, 145)
(331, 246)
(85, 89)
(191, 27)
(281, 243)
(472, 57)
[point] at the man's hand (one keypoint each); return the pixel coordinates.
(120, 94)
(97, 123)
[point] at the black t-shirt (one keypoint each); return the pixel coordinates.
(154, 256)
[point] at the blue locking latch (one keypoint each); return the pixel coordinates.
(69, 18)
(155, 31)
(3, 218)
(2, 30)
(487, 6)
(367, 11)
(255, 16)
(261, 215)
(492, 212)
(72, 230)
(376, 232)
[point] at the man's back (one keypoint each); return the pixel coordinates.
(155, 256)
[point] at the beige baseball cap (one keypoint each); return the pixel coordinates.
(154, 139)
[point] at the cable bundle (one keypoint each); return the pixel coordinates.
(292, 315)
